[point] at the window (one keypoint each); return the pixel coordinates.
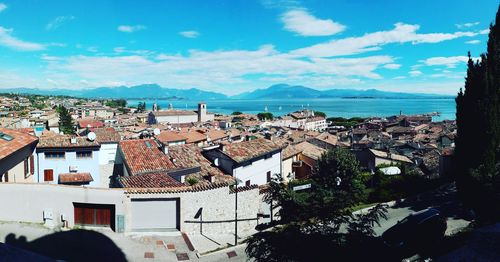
(268, 176)
(247, 183)
(6, 177)
(55, 155)
(26, 173)
(84, 154)
(48, 175)
(32, 164)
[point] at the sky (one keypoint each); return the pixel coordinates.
(234, 46)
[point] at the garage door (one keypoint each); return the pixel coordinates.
(155, 214)
(94, 214)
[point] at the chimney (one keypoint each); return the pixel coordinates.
(165, 149)
(73, 140)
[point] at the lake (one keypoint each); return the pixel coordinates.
(333, 107)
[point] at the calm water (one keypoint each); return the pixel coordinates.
(333, 107)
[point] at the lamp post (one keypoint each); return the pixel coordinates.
(236, 182)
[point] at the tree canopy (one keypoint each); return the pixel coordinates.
(477, 154)
(66, 124)
(265, 116)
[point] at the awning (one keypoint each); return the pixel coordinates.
(75, 178)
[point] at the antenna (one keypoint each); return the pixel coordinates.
(91, 136)
(156, 131)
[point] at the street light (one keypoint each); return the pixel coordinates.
(236, 182)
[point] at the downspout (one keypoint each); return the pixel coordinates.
(37, 167)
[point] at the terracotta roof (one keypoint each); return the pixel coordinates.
(84, 123)
(246, 150)
(143, 156)
(20, 139)
(396, 157)
(195, 188)
(194, 137)
(290, 151)
(64, 141)
(328, 138)
(216, 134)
(170, 136)
(67, 178)
(150, 180)
(191, 156)
(310, 150)
(106, 135)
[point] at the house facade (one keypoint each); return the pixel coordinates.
(62, 159)
(16, 156)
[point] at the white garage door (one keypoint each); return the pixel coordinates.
(154, 215)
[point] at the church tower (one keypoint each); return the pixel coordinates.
(202, 112)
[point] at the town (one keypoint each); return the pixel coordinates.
(98, 163)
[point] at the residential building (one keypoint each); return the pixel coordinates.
(16, 155)
(252, 162)
(65, 159)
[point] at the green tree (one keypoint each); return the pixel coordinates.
(319, 113)
(265, 116)
(236, 113)
(66, 124)
(478, 132)
(311, 219)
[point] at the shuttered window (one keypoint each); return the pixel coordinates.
(48, 175)
(26, 173)
(32, 164)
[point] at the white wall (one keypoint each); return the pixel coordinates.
(107, 154)
(90, 165)
(287, 168)
(257, 171)
(177, 119)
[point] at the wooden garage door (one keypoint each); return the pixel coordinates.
(155, 214)
(94, 214)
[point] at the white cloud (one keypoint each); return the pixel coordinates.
(484, 31)
(2, 7)
(415, 73)
(473, 42)
(57, 22)
(301, 22)
(402, 33)
(189, 34)
(450, 62)
(392, 66)
(7, 40)
(130, 28)
(466, 25)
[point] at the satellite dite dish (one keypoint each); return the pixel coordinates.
(91, 136)
(156, 131)
(216, 162)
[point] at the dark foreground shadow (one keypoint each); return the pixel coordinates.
(74, 245)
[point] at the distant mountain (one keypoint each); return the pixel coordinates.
(148, 91)
(284, 91)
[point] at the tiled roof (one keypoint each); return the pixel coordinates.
(84, 123)
(290, 151)
(328, 138)
(190, 156)
(66, 178)
(194, 137)
(106, 135)
(386, 155)
(310, 150)
(64, 141)
(246, 150)
(150, 180)
(180, 189)
(170, 136)
(143, 156)
(216, 134)
(19, 141)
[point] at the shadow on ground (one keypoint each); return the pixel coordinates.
(74, 245)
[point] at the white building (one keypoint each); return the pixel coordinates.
(172, 116)
(62, 159)
(253, 162)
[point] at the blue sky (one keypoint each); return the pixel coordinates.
(234, 46)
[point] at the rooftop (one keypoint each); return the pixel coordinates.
(150, 180)
(174, 113)
(69, 178)
(107, 135)
(14, 141)
(383, 154)
(143, 156)
(170, 136)
(247, 150)
(52, 140)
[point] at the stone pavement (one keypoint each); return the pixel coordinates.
(168, 246)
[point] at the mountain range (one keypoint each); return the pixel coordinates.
(279, 91)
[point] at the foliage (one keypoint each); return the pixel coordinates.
(141, 107)
(346, 122)
(236, 113)
(116, 103)
(191, 181)
(319, 113)
(477, 154)
(265, 116)
(310, 220)
(66, 124)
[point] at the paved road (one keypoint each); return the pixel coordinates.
(444, 199)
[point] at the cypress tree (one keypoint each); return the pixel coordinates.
(66, 124)
(478, 132)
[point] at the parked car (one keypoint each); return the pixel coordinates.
(418, 230)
